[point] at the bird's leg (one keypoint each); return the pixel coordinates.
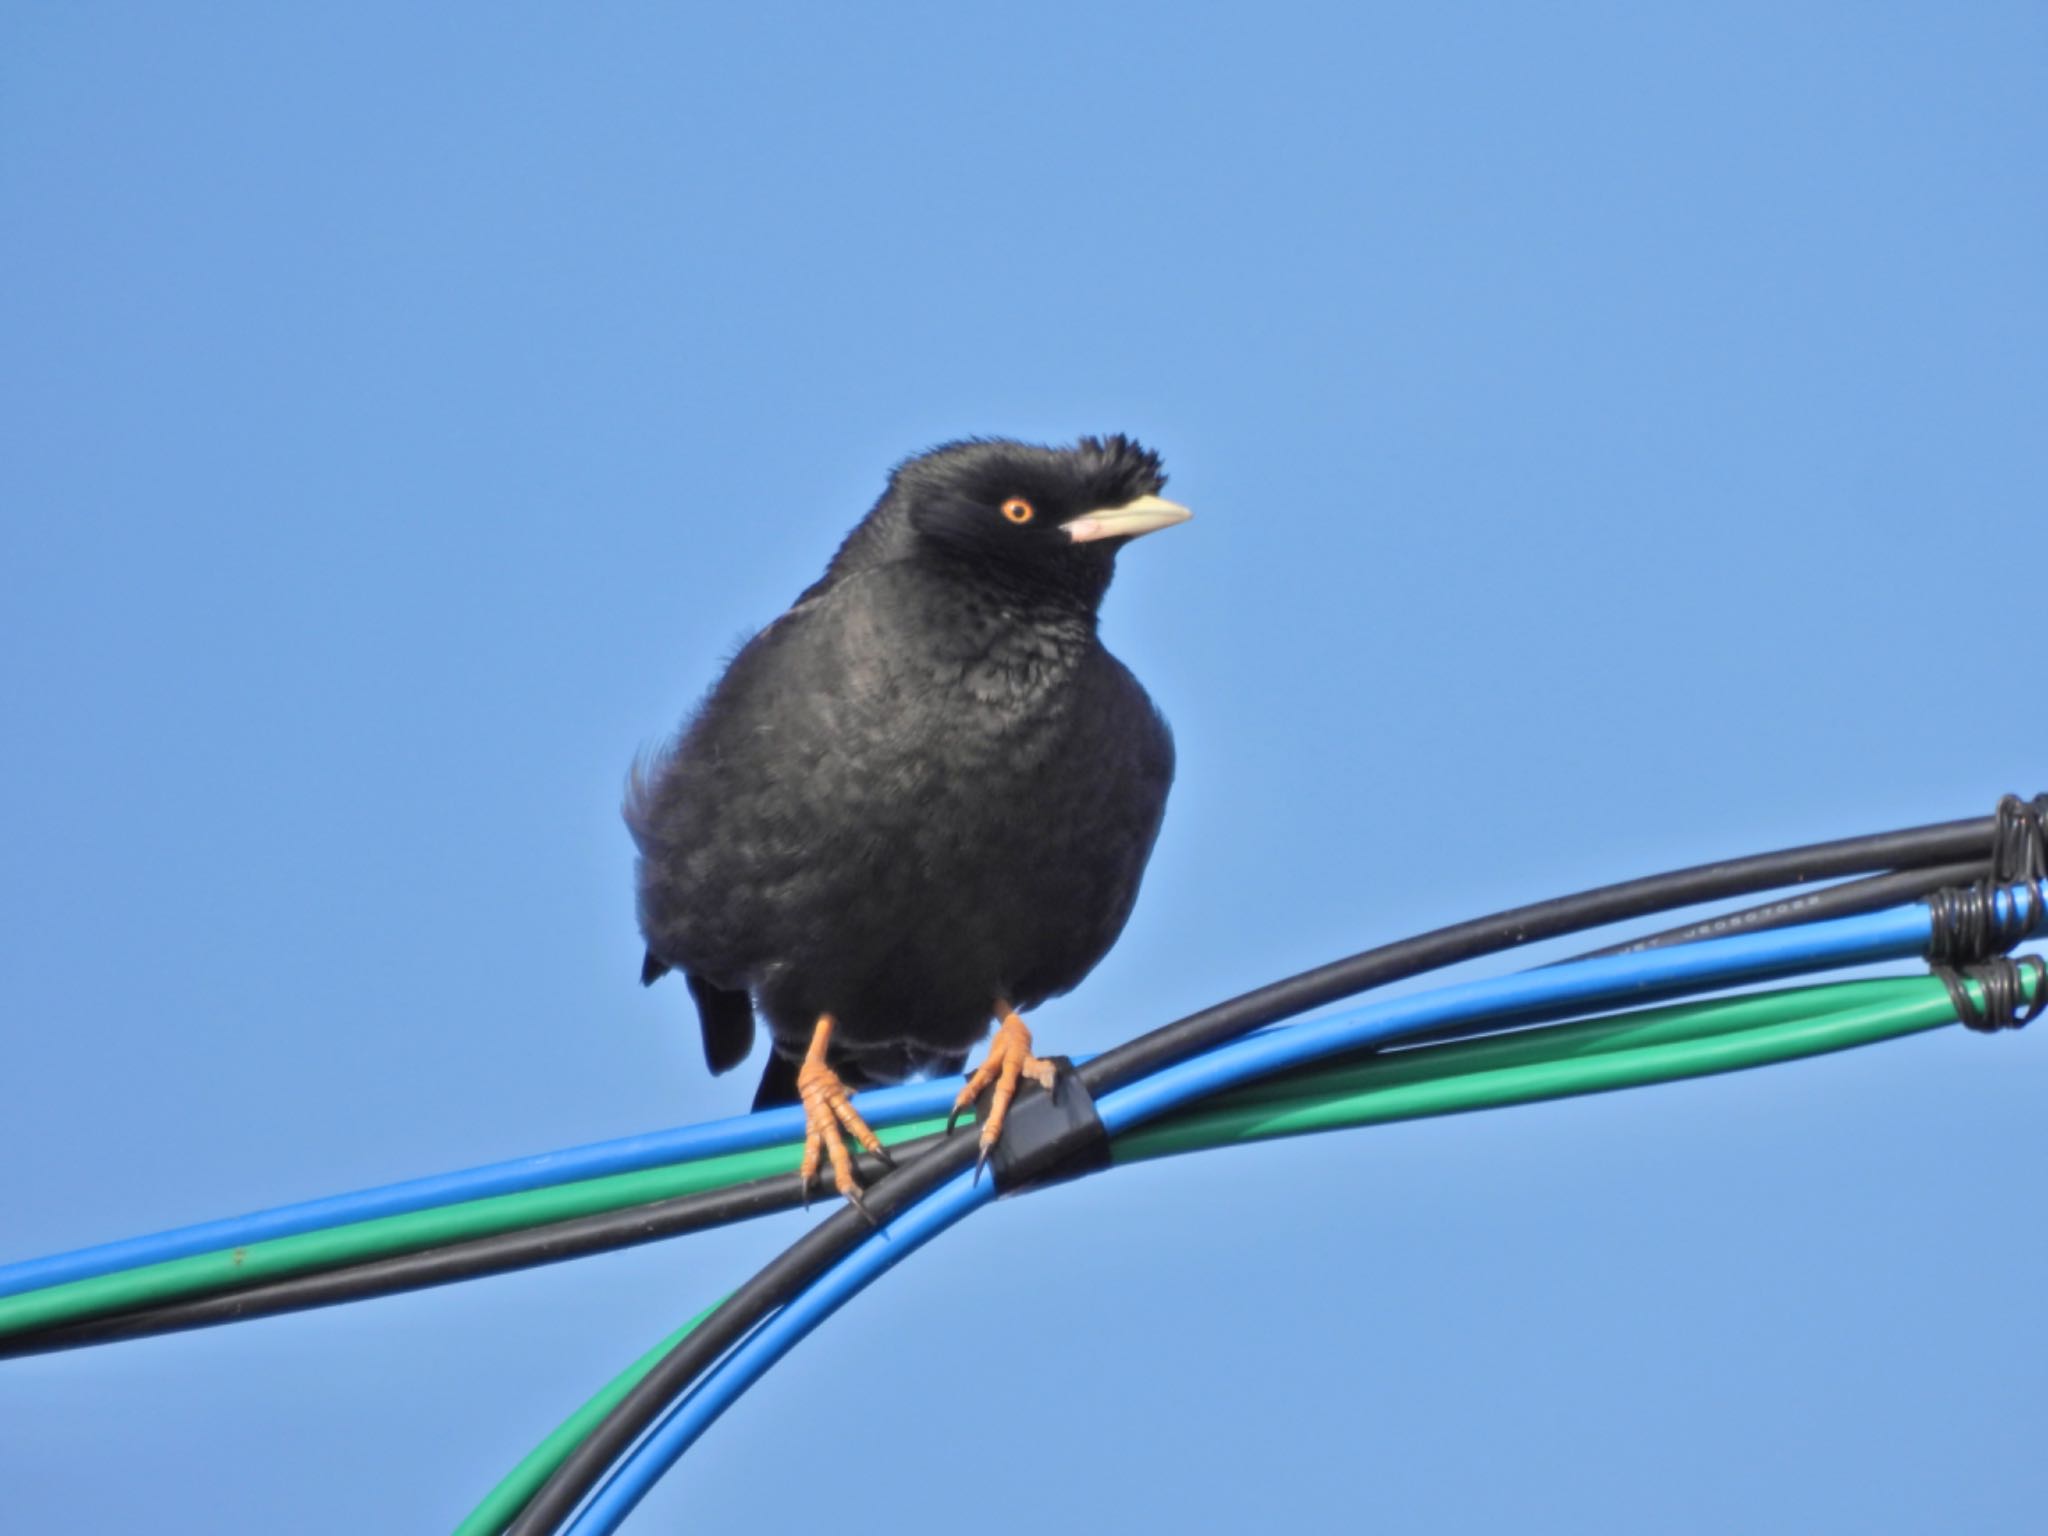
(826, 1109)
(1009, 1060)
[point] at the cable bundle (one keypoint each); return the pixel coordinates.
(1218, 1077)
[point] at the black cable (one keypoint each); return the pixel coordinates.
(445, 1264)
(1943, 843)
(824, 1245)
(784, 1277)
(1848, 899)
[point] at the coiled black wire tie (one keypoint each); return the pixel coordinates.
(2005, 1003)
(1972, 936)
(2019, 840)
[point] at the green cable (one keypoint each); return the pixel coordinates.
(1597, 1055)
(1584, 1037)
(1589, 1056)
(1375, 1093)
(1327, 1097)
(230, 1268)
(498, 1506)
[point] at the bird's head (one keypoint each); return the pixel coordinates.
(1047, 518)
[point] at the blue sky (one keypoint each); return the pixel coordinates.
(1615, 436)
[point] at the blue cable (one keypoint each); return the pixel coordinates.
(750, 1359)
(1527, 996)
(628, 1154)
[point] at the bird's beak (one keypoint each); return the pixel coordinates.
(1145, 515)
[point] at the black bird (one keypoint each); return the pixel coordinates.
(922, 798)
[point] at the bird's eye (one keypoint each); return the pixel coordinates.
(1018, 510)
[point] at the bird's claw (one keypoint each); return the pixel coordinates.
(829, 1117)
(1009, 1062)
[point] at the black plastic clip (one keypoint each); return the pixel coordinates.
(1047, 1137)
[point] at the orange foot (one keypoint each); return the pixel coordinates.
(1009, 1060)
(826, 1110)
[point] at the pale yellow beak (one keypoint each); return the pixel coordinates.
(1147, 514)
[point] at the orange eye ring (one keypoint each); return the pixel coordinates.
(1019, 511)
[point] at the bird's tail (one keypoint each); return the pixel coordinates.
(778, 1082)
(727, 1019)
